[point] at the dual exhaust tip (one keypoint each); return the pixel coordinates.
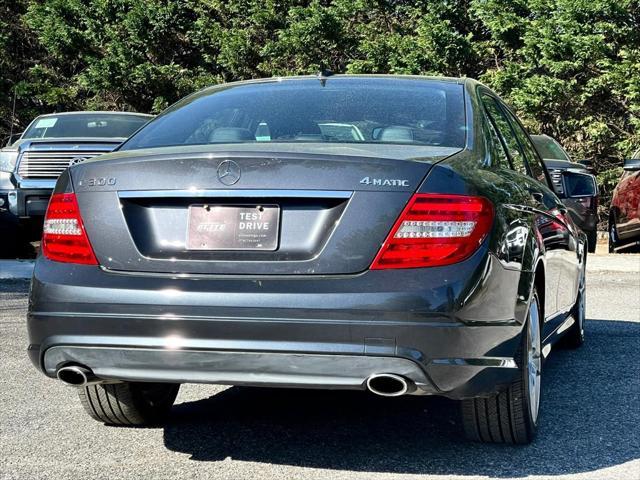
(390, 385)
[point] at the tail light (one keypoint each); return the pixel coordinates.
(64, 238)
(435, 230)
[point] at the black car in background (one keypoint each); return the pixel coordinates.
(574, 184)
(31, 164)
(384, 233)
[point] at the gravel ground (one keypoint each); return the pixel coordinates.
(589, 422)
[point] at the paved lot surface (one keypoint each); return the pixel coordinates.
(590, 419)
(15, 269)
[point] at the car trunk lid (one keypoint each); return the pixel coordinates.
(326, 211)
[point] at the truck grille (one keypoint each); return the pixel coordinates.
(556, 178)
(49, 165)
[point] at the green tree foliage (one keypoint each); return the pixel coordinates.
(571, 68)
(19, 52)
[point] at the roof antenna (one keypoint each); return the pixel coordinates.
(323, 74)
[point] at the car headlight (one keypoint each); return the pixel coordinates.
(8, 160)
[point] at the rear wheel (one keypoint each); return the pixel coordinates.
(511, 416)
(129, 403)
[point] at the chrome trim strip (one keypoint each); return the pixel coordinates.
(228, 276)
(499, 362)
(568, 322)
(35, 183)
(207, 318)
(235, 193)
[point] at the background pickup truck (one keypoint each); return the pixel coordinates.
(574, 184)
(30, 166)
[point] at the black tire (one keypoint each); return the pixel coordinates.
(129, 403)
(613, 235)
(508, 417)
(574, 337)
(592, 241)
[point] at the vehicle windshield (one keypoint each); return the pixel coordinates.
(335, 110)
(548, 148)
(85, 125)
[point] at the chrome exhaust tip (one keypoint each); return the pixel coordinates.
(389, 385)
(77, 376)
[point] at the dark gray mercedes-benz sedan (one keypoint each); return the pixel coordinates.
(395, 234)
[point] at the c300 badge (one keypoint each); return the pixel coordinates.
(98, 182)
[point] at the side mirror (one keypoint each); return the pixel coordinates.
(579, 184)
(631, 164)
(585, 163)
(11, 139)
(588, 164)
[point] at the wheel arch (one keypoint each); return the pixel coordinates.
(613, 214)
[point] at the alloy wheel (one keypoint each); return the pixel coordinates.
(534, 359)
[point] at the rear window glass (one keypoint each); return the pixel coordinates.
(338, 110)
(85, 125)
(548, 148)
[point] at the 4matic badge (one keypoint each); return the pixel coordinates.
(384, 182)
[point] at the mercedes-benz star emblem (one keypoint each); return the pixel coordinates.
(77, 160)
(228, 172)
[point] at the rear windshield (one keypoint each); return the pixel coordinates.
(548, 148)
(337, 110)
(99, 125)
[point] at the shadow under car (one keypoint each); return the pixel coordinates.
(590, 422)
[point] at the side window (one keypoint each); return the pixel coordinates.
(533, 159)
(510, 141)
(499, 156)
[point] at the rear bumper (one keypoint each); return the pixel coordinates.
(629, 232)
(234, 368)
(453, 331)
(29, 202)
